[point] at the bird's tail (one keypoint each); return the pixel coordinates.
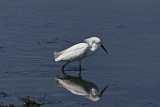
(56, 55)
(57, 83)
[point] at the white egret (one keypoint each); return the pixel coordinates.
(79, 51)
(78, 86)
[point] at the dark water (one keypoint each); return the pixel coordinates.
(30, 31)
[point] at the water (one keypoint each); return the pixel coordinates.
(32, 30)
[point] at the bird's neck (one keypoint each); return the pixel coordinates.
(94, 47)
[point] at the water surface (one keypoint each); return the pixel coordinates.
(32, 30)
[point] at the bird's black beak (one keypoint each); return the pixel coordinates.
(100, 95)
(103, 47)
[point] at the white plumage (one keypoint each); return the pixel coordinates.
(73, 53)
(79, 51)
(78, 86)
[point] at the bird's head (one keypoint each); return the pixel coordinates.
(95, 40)
(94, 96)
(92, 40)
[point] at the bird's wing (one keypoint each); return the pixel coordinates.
(73, 53)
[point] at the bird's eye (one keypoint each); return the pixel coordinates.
(99, 43)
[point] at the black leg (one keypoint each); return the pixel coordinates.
(80, 69)
(64, 66)
(79, 65)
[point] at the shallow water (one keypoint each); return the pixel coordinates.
(32, 30)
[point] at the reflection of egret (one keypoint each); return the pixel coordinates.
(79, 51)
(78, 86)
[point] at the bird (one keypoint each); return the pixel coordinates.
(78, 86)
(79, 51)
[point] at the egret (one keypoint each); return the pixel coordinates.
(78, 86)
(79, 51)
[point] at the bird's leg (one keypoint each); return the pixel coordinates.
(80, 66)
(64, 66)
(80, 69)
